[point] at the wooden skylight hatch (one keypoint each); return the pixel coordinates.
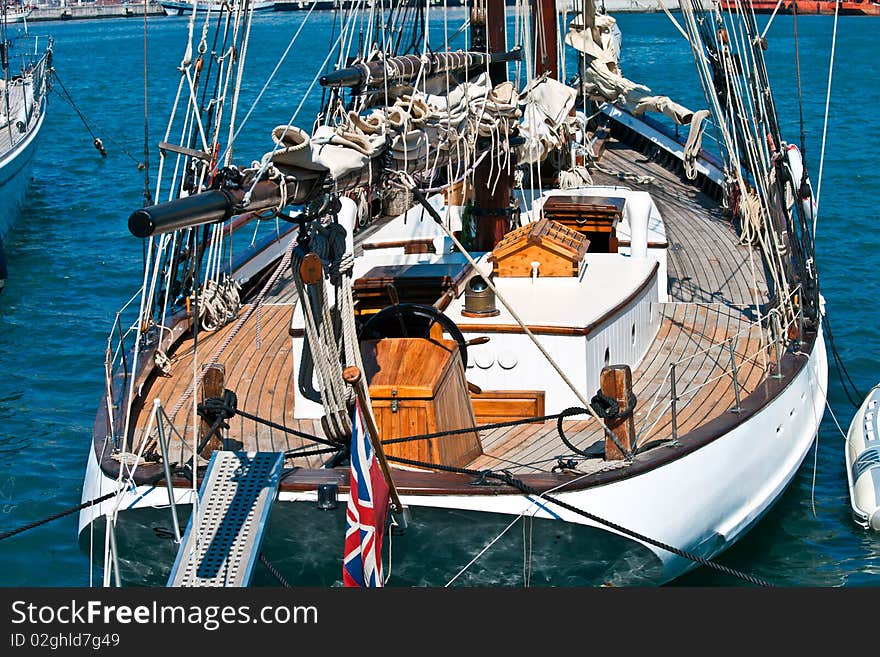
(543, 248)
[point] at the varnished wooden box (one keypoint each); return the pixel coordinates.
(418, 386)
(424, 283)
(595, 217)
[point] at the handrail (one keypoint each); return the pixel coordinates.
(114, 358)
(770, 353)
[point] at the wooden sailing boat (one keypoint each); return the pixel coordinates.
(576, 323)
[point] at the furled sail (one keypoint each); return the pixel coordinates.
(547, 104)
(599, 40)
(414, 129)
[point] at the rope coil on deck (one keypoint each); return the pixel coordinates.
(608, 408)
(218, 409)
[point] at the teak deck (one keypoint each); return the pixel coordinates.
(708, 270)
(706, 262)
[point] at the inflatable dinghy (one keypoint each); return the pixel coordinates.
(863, 462)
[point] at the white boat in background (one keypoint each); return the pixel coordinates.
(17, 14)
(182, 8)
(22, 109)
(863, 462)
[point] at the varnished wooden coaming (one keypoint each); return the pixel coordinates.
(709, 274)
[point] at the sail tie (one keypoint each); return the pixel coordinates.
(694, 143)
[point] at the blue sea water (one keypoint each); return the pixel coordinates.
(72, 263)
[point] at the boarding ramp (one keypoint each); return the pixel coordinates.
(234, 503)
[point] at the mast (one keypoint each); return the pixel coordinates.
(544, 36)
(492, 199)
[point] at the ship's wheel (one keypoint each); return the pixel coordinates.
(411, 320)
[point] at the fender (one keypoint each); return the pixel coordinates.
(805, 192)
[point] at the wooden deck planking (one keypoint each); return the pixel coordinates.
(704, 388)
(261, 376)
(243, 359)
(687, 330)
(708, 271)
(706, 262)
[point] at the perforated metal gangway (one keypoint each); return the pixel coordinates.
(222, 544)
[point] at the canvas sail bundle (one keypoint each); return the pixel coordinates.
(603, 79)
(414, 125)
(548, 103)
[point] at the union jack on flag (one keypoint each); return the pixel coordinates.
(367, 511)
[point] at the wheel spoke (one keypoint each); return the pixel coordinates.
(400, 321)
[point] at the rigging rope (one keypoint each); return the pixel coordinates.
(827, 108)
(602, 406)
(271, 76)
(848, 385)
(271, 567)
(56, 516)
(148, 199)
(797, 59)
(89, 125)
(60, 514)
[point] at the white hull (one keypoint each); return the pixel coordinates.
(18, 16)
(15, 174)
(863, 462)
(701, 502)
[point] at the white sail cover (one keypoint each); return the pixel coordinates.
(599, 39)
(546, 105)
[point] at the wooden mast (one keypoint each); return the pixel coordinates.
(544, 35)
(545, 61)
(492, 198)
